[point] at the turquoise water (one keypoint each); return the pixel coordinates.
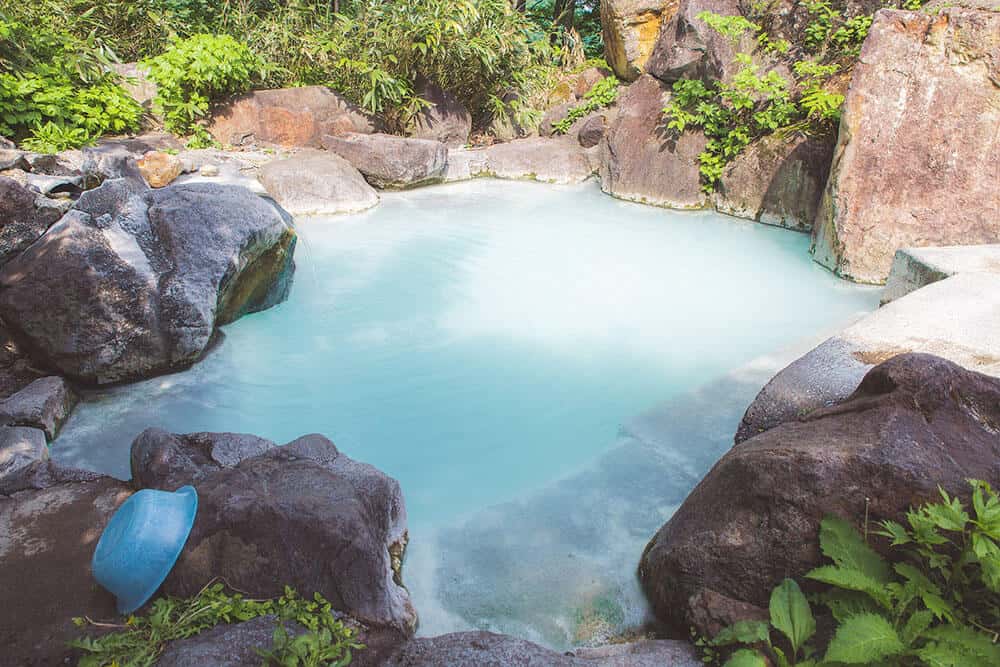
(490, 345)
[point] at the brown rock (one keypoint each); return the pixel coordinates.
(558, 160)
(642, 160)
(917, 162)
(552, 116)
(289, 117)
(586, 79)
(778, 180)
(630, 31)
(446, 120)
(688, 49)
(915, 422)
(159, 168)
(49, 527)
(591, 130)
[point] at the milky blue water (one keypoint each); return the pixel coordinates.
(546, 370)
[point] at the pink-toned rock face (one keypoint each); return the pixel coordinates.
(643, 161)
(288, 117)
(918, 159)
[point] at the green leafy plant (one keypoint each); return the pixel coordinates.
(56, 91)
(752, 104)
(195, 72)
(52, 138)
(730, 27)
(790, 617)
(602, 94)
(821, 27)
(730, 114)
(479, 50)
(140, 641)
(939, 605)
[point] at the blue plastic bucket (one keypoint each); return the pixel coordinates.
(141, 543)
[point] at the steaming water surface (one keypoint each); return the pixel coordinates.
(547, 371)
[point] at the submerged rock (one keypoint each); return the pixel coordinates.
(777, 180)
(592, 129)
(630, 30)
(916, 166)
(549, 160)
(50, 521)
(289, 117)
(133, 281)
(392, 162)
(486, 649)
(642, 160)
(317, 183)
(916, 422)
(302, 514)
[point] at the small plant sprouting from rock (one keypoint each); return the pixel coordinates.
(139, 642)
(937, 605)
(734, 113)
(602, 94)
(195, 72)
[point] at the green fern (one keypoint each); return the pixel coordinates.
(863, 640)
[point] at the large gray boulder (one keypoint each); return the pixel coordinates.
(391, 162)
(289, 117)
(486, 649)
(917, 167)
(24, 217)
(916, 422)
(302, 515)
(445, 120)
(643, 161)
(133, 281)
(317, 183)
(559, 160)
(44, 404)
(778, 180)
(50, 521)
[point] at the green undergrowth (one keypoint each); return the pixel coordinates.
(56, 91)
(604, 93)
(935, 602)
(499, 61)
(138, 642)
(195, 72)
(754, 103)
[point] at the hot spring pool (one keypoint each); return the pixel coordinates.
(547, 371)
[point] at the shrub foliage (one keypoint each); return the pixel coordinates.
(937, 603)
(141, 639)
